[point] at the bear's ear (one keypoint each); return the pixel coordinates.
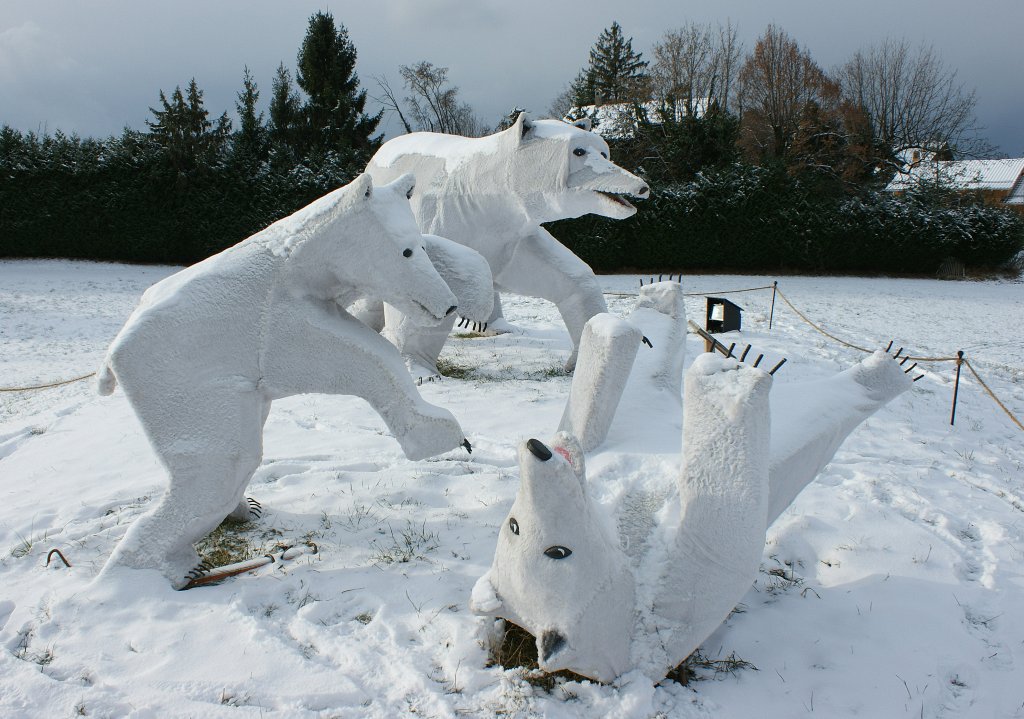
(583, 123)
(523, 126)
(362, 186)
(569, 447)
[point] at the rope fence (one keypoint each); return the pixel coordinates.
(47, 386)
(774, 287)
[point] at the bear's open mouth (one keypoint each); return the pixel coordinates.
(618, 199)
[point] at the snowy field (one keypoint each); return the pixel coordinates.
(892, 587)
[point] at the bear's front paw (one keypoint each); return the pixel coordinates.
(432, 433)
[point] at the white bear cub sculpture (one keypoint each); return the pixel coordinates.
(602, 606)
(208, 349)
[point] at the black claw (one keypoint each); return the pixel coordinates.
(731, 348)
(647, 342)
(781, 362)
(744, 355)
(890, 346)
(758, 360)
(907, 370)
(918, 377)
(467, 445)
(485, 327)
(904, 360)
(898, 352)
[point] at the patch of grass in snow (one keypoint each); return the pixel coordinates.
(408, 544)
(698, 667)
(780, 578)
(454, 370)
(25, 544)
(515, 648)
(229, 543)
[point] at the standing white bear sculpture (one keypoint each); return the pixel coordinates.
(606, 591)
(208, 349)
(493, 193)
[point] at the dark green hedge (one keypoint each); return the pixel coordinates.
(119, 199)
(747, 218)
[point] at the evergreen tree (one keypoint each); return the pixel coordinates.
(615, 73)
(285, 110)
(251, 141)
(183, 128)
(333, 117)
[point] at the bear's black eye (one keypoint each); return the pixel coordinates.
(604, 155)
(557, 552)
(579, 152)
(407, 253)
(513, 525)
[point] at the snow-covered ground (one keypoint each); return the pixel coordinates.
(897, 587)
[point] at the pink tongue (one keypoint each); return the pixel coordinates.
(564, 452)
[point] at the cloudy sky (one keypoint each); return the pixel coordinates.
(95, 67)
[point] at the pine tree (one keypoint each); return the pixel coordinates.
(285, 111)
(251, 140)
(183, 128)
(615, 72)
(333, 117)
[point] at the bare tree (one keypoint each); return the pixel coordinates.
(562, 104)
(390, 101)
(434, 104)
(695, 64)
(778, 83)
(912, 99)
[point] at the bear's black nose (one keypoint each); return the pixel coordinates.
(538, 450)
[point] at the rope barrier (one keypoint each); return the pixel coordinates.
(47, 386)
(992, 394)
(725, 292)
(808, 321)
(912, 358)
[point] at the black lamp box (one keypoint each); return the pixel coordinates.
(723, 315)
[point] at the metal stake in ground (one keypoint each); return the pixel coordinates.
(771, 312)
(956, 385)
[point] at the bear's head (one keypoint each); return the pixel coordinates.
(564, 170)
(371, 243)
(557, 570)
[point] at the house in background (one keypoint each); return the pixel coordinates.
(999, 182)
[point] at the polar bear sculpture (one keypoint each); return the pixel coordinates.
(603, 601)
(493, 193)
(208, 349)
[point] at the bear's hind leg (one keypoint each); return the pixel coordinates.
(210, 461)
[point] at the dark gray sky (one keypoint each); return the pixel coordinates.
(95, 67)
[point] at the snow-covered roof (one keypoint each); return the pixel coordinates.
(965, 175)
(618, 119)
